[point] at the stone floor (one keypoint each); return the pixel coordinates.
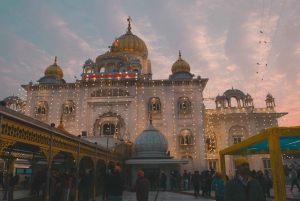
(166, 196)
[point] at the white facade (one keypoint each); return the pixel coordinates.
(116, 96)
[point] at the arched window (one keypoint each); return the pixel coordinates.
(154, 106)
(184, 105)
(110, 129)
(68, 107)
(185, 137)
(41, 108)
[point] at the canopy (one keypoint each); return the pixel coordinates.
(274, 141)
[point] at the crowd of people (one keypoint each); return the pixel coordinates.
(245, 185)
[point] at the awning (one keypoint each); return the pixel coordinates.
(155, 161)
(274, 141)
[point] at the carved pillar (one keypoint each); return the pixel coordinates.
(49, 153)
(78, 157)
(9, 161)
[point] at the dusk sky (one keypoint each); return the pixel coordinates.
(221, 40)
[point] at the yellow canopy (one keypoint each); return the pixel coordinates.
(274, 141)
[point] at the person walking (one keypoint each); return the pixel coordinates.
(115, 185)
(243, 187)
(294, 178)
(218, 186)
(163, 180)
(141, 187)
(196, 180)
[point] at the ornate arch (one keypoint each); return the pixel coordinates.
(116, 121)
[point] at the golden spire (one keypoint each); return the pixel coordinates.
(129, 25)
(179, 58)
(61, 119)
(55, 61)
(61, 126)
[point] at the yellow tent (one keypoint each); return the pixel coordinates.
(274, 141)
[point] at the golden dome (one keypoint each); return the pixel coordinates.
(180, 65)
(130, 43)
(54, 70)
(111, 55)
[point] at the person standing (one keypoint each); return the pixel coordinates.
(115, 185)
(218, 186)
(86, 184)
(262, 181)
(1, 179)
(243, 187)
(185, 177)
(294, 178)
(152, 179)
(163, 180)
(268, 182)
(141, 187)
(196, 180)
(66, 185)
(105, 182)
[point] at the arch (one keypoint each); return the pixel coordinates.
(110, 66)
(100, 67)
(210, 141)
(184, 105)
(41, 108)
(185, 137)
(120, 65)
(68, 107)
(190, 166)
(109, 124)
(154, 106)
(88, 69)
(234, 101)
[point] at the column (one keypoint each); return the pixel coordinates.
(277, 166)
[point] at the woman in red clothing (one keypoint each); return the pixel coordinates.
(66, 185)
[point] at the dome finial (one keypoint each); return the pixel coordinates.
(55, 61)
(179, 57)
(129, 25)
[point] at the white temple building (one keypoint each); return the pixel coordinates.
(116, 97)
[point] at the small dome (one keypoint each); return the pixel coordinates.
(54, 70)
(151, 142)
(130, 43)
(89, 62)
(234, 92)
(13, 100)
(180, 65)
